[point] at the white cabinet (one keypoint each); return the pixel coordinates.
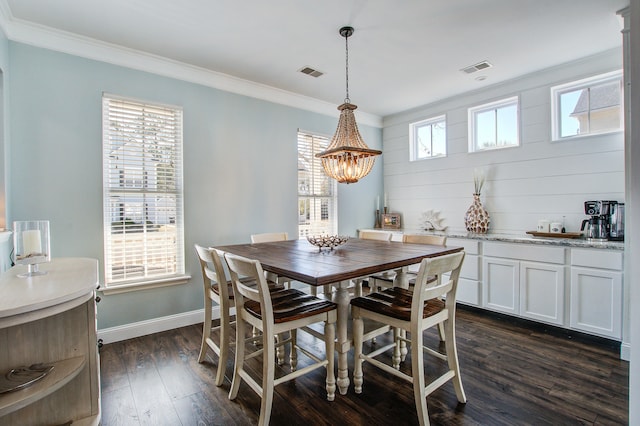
(525, 280)
(542, 288)
(573, 287)
(596, 292)
(501, 285)
(469, 286)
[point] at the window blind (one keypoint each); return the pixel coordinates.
(317, 193)
(143, 192)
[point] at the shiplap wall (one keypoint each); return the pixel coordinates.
(539, 179)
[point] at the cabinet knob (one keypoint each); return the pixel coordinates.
(100, 343)
(98, 299)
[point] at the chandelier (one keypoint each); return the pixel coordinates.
(347, 158)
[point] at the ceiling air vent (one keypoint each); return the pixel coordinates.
(310, 71)
(477, 67)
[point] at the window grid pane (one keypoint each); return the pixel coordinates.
(494, 125)
(143, 197)
(317, 193)
(590, 106)
(428, 138)
(506, 126)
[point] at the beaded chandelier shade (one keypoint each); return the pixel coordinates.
(347, 158)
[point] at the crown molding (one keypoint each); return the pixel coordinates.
(5, 17)
(61, 41)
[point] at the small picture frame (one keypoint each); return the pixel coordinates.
(391, 221)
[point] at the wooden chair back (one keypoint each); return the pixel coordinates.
(451, 263)
(268, 237)
(212, 272)
(240, 267)
(436, 240)
(375, 235)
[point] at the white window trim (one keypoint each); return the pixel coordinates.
(577, 85)
(333, 182)
(154, 281)
(473, 111)
(413, 148)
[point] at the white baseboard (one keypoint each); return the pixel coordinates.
(625, 351)
(142, 328)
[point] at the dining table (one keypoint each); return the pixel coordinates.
(357, 258)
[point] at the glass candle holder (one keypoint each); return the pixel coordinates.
(31, 245)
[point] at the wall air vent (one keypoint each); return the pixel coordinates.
(310, 71)
(477, 67)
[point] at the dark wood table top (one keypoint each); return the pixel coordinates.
(301, 261)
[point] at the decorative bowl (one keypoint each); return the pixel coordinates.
(327, 241)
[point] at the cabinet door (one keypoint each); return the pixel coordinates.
(596, 301)
(501, 285)
(469, 288)
(542, 292)
(468, 292)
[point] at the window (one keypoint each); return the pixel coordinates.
(428, 138)
(142, 179)
(494, 125)
(317, 193)
(587, 107)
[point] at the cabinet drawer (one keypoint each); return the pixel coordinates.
(596, 258)
(525, 252)
(470, 246)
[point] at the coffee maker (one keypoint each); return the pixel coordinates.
(616, 222)
(606, 221)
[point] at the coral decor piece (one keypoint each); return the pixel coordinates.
(477, 218)
(431, 221)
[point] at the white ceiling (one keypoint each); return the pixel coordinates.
(403, 54)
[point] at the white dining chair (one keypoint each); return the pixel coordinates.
(276, 313)
(280, 236)
(386, 280)
(369, 235)
(414, 311)
(268, 237)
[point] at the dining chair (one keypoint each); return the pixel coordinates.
(387, 279)
(212, 275)
(414, 311)
(219, 290)
(369, 235)
(277, 313)
(268, 237)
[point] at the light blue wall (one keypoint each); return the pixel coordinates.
(4, 133)
(240, 161)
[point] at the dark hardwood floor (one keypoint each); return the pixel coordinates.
(514, 373)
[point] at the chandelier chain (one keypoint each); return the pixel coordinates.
(346, 44)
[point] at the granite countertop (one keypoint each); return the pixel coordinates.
(523, 238)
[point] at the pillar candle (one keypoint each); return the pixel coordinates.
(31, 243)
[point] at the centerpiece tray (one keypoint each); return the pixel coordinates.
(555, 234)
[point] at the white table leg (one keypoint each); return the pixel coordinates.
(343, 342)
(402, 281)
